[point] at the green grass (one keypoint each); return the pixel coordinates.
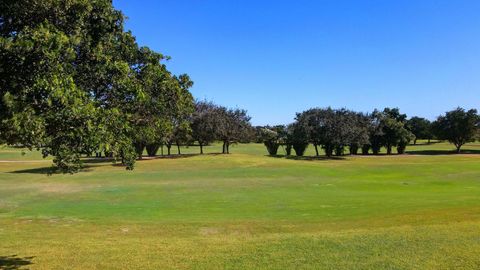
(246, 211)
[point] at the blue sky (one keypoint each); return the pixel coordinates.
(275, 57)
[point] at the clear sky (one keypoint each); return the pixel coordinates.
(276, 57)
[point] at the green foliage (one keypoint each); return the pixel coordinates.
(458, 127)
(233, 126)
(420, 127)
(73, 82)
(270, 140)
(334, 129)
(204, 123)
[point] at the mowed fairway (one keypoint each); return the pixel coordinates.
(245, 211)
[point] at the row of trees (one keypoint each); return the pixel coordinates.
(336, 130)
(206, 124)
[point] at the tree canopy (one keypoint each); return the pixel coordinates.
(458, 127)
(73, 82)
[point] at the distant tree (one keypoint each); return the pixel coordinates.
(312, 123)
(393, 131)
(458, 127)
(420, 127)
(204, 123)
(297, 137)
(376, 133)
(394, 113)
(360, 132)
(233, 126)
(341, 131)
(271, 140)
(331, 129)
(404, 138)
(182, 135)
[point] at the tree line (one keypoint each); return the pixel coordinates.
(339, 130)
(207, 123)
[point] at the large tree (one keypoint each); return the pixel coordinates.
(73, 81)
(457, 126)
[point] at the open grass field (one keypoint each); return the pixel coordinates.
(245, 211)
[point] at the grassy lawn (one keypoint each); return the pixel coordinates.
(245, 210)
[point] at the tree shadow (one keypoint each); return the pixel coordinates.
(50, 170)
(425, 143)
(13, 262)
(90, 163)
(99, 160)
(443, 152)
(307, 158)
(176, 156)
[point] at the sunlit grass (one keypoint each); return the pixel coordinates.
(246, 210)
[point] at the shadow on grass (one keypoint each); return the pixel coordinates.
(90, 163)
(14, 262)
(425, 143)
(443, 152)
(177, 156)
(307, 158)
(50, 171)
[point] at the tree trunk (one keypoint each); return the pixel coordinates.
(316, 150)
(328, 150)
(223, 148)
(389, 149)
(415, 142)
(459, 146)
(288, 149)
(339, 150)
(201, 148)
(365, 149)
(168, 149)
(178, 148)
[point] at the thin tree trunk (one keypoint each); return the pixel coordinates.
(458, 148)
(389, 149)
(168, 149)
(201, 148)
(316, 149)
(228, 148)
(178, 148)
